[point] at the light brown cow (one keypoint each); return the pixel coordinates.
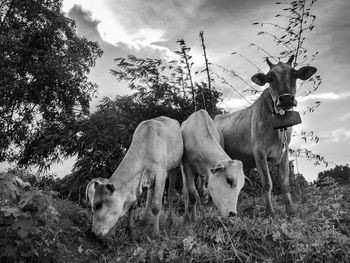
(204, 155)
(155, 150)
(249, 135)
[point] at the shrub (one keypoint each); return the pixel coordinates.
(27, 222)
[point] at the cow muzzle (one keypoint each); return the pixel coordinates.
(232, 214)
(286, 101)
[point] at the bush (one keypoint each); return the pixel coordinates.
(27, 221)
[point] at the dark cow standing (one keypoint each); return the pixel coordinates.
(249, 135)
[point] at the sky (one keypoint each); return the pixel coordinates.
(151, 28)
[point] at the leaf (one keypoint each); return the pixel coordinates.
(9, 251)
(276, 235)
(11, 211)
(80, 249)
(23, 227)
(9, 187)
(140, 254)
(188, 243)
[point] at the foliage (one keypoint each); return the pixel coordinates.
(43, 227)
(27, 222)
(43, 74)
(340, 174)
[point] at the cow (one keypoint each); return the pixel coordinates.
(204, 155)
(156, 149)
(249, 134)
(90, 190)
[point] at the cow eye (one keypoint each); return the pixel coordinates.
(229, 181)
(98, 206)
(269, 79)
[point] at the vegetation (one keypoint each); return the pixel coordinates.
(340, 174)
(43, 78)
(44, 116)
(37, 225)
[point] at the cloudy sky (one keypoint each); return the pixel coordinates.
(150, 29)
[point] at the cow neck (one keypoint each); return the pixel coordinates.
(266, 101)
(127, 173)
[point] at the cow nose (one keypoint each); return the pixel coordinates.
(232, 214)
(286, 100)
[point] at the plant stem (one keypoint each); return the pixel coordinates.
(300, 32)
(201, 35)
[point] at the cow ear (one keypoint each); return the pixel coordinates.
(110, 188)
(305, 72)
(90, 190)
(260, 79)
(217, 168)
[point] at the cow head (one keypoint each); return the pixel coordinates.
(225, 182)
(282, 79)
(90, 190)
(109, 204)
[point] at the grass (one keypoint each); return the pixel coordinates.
(319, 232)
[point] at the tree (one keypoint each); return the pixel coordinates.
(43, 82)
(340, 173)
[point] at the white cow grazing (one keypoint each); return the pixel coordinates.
(204, 155)
(155, 150)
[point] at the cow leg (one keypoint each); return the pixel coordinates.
(192, 193)
(146, 219)
(203, 195)
(131, 220)
(171, 195)
(187, 218)
(266, 182)
(160, 179)
(283, 171)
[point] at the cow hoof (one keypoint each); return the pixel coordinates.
(187, 220)
(145, 221)
(170, 220)
(135, 237)
(290, 212)
(194, 218)
(270, 214)
(155, 235)
(188, 230)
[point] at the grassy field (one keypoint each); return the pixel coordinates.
(38, 226)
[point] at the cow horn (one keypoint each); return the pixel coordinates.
(269, 63)
(290, 60)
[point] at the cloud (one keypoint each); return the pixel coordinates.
(344, 117)
(325, 96)
(120, 28)
(150, 29)
(236, 103)
(339, 135)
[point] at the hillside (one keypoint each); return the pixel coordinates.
(36, 225)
